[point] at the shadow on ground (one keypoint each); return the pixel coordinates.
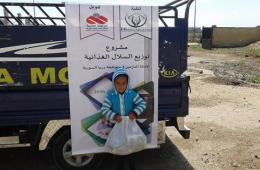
(26, 159)
(168, 157)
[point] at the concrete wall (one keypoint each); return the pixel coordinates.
(234, 37)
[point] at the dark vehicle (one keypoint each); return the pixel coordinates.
(34, 98)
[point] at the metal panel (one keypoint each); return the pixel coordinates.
(20, 35)
(29, 104)
(34, 74)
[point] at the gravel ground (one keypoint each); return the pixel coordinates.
(224, 114)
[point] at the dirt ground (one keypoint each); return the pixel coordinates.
(224, 121)
(224, 111)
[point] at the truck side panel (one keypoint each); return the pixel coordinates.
(39, 91)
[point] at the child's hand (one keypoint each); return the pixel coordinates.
(118, 119)
(132, 116)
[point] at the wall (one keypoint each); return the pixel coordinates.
(234, 37)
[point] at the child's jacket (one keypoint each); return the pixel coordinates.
(122, 104)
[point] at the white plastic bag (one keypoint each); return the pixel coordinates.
(125, 138)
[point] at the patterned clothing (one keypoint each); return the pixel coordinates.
(122, 104)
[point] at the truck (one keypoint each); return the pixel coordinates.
(34, 96)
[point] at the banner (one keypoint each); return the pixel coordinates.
(99, 40)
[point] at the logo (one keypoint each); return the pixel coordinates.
(96, 19)
(169, 73)
(96, 22)
(135, 20)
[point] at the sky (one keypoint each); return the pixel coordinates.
(222, 13)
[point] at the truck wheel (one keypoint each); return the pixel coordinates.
(62, 154)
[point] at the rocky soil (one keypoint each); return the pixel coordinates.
(224, 112)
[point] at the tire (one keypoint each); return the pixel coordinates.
(61, 152)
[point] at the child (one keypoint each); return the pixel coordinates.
(122, 101)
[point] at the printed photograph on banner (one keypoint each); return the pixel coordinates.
(113, 81)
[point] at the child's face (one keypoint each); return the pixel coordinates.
(121, 84)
